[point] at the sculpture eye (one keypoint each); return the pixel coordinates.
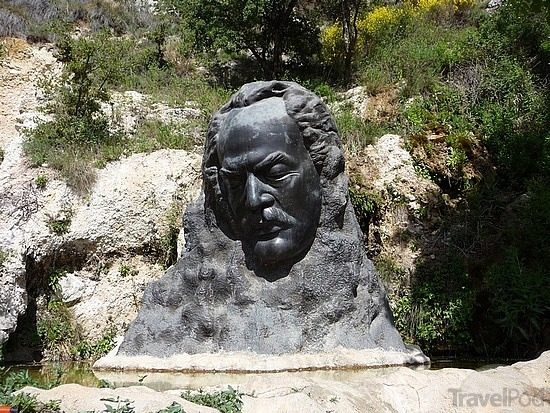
(232, 179)
(278, 173)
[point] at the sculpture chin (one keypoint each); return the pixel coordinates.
(277, 251)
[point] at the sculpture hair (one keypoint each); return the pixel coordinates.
(318, 130)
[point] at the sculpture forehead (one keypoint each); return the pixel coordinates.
(251, 133)
(261, 124)
(256, 115)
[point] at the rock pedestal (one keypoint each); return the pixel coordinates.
(210, 301)
(258, 274)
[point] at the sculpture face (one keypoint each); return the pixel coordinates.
(270, 182)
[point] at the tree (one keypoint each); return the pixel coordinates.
(270, 30)
(346, 13)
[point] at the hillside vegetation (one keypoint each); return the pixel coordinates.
(469, 93)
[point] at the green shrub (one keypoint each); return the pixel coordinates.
(226, 401)
(356, 133)
(59, 225)
(41, 181)
(154, 135)
(11, 382)
(4, 255)
(437, 312)
(79, 131)
(519, 281)
(34, 19)
(56, 330)
(519, 303)
(86, 349)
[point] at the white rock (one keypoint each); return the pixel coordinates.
(141, 399)
(73, 288)
(392, 389)
(125, 214)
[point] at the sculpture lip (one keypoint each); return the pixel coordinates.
(265, 231)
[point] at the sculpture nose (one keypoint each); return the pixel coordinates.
(256, 195)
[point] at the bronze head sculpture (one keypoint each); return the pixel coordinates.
(268, 152)
(274, 261)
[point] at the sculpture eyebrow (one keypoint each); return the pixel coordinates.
(271, 159)
(268, 161)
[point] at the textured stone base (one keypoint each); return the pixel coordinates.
(247, 362)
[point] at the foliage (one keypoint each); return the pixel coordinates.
(3, 52)
(267, 29)
(33, 18)
(173, 408)
(11, 382)
(154, 135)
(56, 330)
(121, 406)
(86, 349)
(519, 281)
(41, 181)
(390, 29)
(78, 132)
(226, 401)
(59, 225)
(484, 115)
(345, 15)
(437, 312)
(168, 243)
(519, 302)
(4, 255)
(356, 132)
(364, 203)
(522, 8)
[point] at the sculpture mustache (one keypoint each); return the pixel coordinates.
(266, 217)
(276, 215)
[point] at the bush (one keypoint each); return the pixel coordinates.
(78, 131)
(437, 312)
(356, 133)
(14, 381)
(519, 281)
(56, 331)
(34, 19)
(226, 401)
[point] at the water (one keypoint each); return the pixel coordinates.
(479, 364)
(60, 373)
(81, 373)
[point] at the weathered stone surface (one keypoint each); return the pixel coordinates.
(210, 301)
(221, 297)
(523, 388)
(118, 224)
(73, 288)
(249, 362)
(408, 202)
(128, 109)
(76, 398)
(13, 292)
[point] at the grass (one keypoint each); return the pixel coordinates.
(13, 381)
(356, 133)
(226, 401)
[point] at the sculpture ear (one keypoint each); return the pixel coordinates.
(216, 202)
(211, 176)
